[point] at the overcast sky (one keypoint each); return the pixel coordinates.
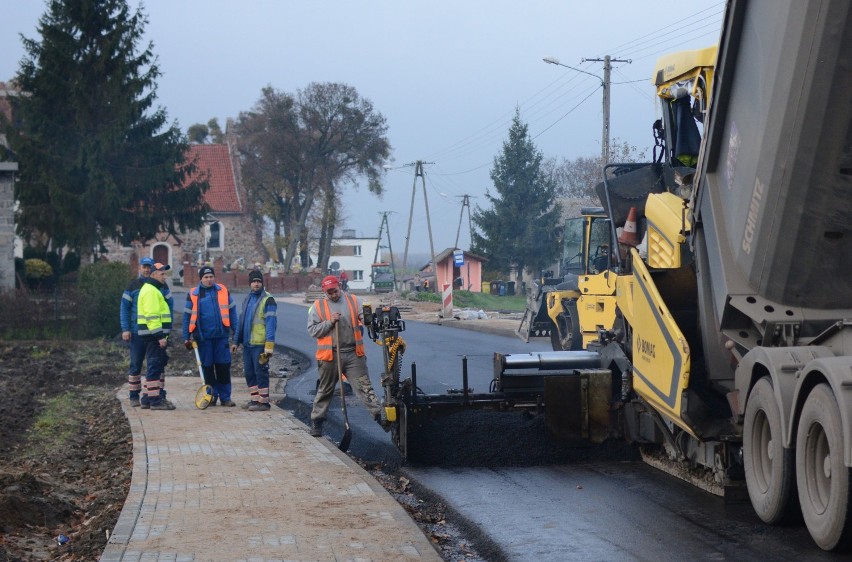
(447, 76)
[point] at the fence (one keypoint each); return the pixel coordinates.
(60, 313)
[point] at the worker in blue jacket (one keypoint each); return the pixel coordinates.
(256, 333)
(210, 317)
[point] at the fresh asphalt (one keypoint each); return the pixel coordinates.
(588, 509)
(437, 352)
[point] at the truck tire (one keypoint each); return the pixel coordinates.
(823, 479)
(768, 465)
(566, 336)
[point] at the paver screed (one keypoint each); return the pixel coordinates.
(229, 484)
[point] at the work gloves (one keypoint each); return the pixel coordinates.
(188, 345)
(268, 348)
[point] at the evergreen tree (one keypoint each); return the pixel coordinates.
(96, 161)
(518, 228)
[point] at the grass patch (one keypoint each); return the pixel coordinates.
(483, 301)
(39, 353)
(98, 352)
(55, 425)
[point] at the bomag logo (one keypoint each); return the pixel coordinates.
(646, 348)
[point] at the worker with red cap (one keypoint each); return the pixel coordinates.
(336, 321)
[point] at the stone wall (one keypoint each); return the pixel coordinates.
(184, 250)
(7, 225)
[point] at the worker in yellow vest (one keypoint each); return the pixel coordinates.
(154, 323)
(256, 333)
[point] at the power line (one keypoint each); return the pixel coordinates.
(537, 104)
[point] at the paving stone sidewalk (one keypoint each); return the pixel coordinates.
(233, 485)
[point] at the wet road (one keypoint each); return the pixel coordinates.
(591, 510)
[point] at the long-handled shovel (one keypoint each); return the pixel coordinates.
(204, 395)
(347, 434)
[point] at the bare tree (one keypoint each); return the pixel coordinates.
(576, 179)
(298, 149)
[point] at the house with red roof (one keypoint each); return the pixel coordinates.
(230, 239)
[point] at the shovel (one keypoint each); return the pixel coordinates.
(205, 394)
(347, 434)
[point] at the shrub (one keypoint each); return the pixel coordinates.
(37, 273)
(100, 286)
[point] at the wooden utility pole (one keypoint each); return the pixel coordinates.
(418, 172)
(384, 225)
(465, 203)
(606, 102)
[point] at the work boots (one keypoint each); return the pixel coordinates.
(258, 407)
(316, 428)
(163, 405)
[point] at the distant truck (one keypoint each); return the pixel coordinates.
(383, 277)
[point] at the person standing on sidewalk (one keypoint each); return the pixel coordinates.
(130, 327)
(339, 315)
(154, 321)
(209, 318)
(256, 333)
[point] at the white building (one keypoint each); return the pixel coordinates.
(353, 255)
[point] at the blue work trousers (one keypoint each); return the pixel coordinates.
(156, 359)
(134, 373)
(257, 375)
(215, 357)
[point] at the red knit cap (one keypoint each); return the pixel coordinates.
(329, 282)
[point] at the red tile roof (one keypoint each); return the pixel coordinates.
(215, 160)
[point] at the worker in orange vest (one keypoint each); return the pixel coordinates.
(338, 314)
(209, 318)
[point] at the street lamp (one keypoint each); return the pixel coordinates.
(605, 87)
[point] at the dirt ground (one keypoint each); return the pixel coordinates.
(65, 448)
(66, 451)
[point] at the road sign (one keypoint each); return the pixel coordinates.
(458, 258)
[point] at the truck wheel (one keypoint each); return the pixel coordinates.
(566, 336)
(768, 465)
(823, 480)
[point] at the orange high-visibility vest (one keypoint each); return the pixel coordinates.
(224, 309)
(325, 344)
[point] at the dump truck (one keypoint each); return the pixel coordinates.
(731, 347)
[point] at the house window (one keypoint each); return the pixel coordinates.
(214, 241)
(356, 250)
(358, 275)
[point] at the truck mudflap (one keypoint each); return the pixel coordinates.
(540, 407)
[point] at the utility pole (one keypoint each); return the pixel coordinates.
(418, 172)
(605, 84)
(465, 203)
(384, 225)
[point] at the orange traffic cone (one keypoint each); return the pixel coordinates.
(628, 235)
